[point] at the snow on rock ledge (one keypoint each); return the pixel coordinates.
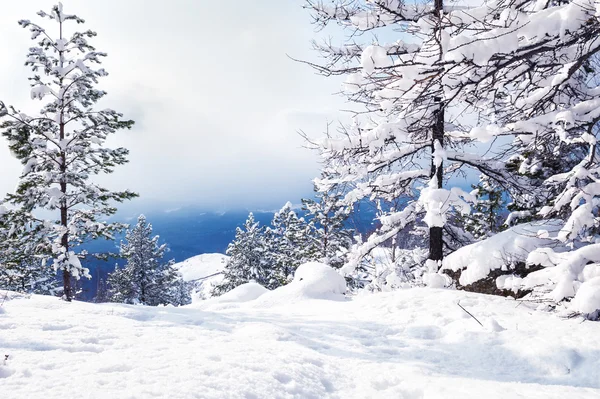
(312, 280)
(477, 260)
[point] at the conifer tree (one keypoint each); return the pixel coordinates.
(289, 243)
(533, 67)
(146, 278)
(23, 250)
(330, 239)
(102, 294)
(63, 146)
(249, 259)
(486, 218)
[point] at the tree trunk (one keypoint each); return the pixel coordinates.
(68, 292)
(436, 241)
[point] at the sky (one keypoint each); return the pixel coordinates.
(216, 100)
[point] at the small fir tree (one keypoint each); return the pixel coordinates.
(289, 243)
(331, 240)
(145, 279)
(249, 259)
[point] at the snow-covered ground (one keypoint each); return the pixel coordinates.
(413, 343)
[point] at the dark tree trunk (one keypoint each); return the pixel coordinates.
(436, 239)
(68, 291)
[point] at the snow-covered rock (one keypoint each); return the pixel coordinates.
(312, 280)
(502, 250)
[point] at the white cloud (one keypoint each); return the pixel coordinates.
(216, 100)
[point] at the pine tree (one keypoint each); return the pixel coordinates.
(330, 239)
(102, 294)
(181, 292)
(249, 259)
(145, 279)
(63, 146)
(289, 243)
(486, 219)
(23, 250)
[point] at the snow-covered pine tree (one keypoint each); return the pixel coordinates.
(248, 259)
(535, 67)
(405, 138)
(289, 243)
(146, 278)
(23, 251)
(181, 292)
(63, 146)
(329, 235)
(102, 294)
(119, 288)
(487, 216)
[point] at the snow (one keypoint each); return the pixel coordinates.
(413, 343)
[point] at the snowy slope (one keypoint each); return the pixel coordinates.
(414, 343)
(203, 271)
(200, 266)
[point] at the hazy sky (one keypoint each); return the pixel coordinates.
(216, 100)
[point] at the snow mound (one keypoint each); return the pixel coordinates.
(502, 250)
(587, 299)
(243, 293)
(312, 280)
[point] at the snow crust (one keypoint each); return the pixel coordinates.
(410, 344)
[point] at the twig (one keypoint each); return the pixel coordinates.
(467, 312)
(4, 299)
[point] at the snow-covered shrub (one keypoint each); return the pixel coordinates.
(391, 269)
